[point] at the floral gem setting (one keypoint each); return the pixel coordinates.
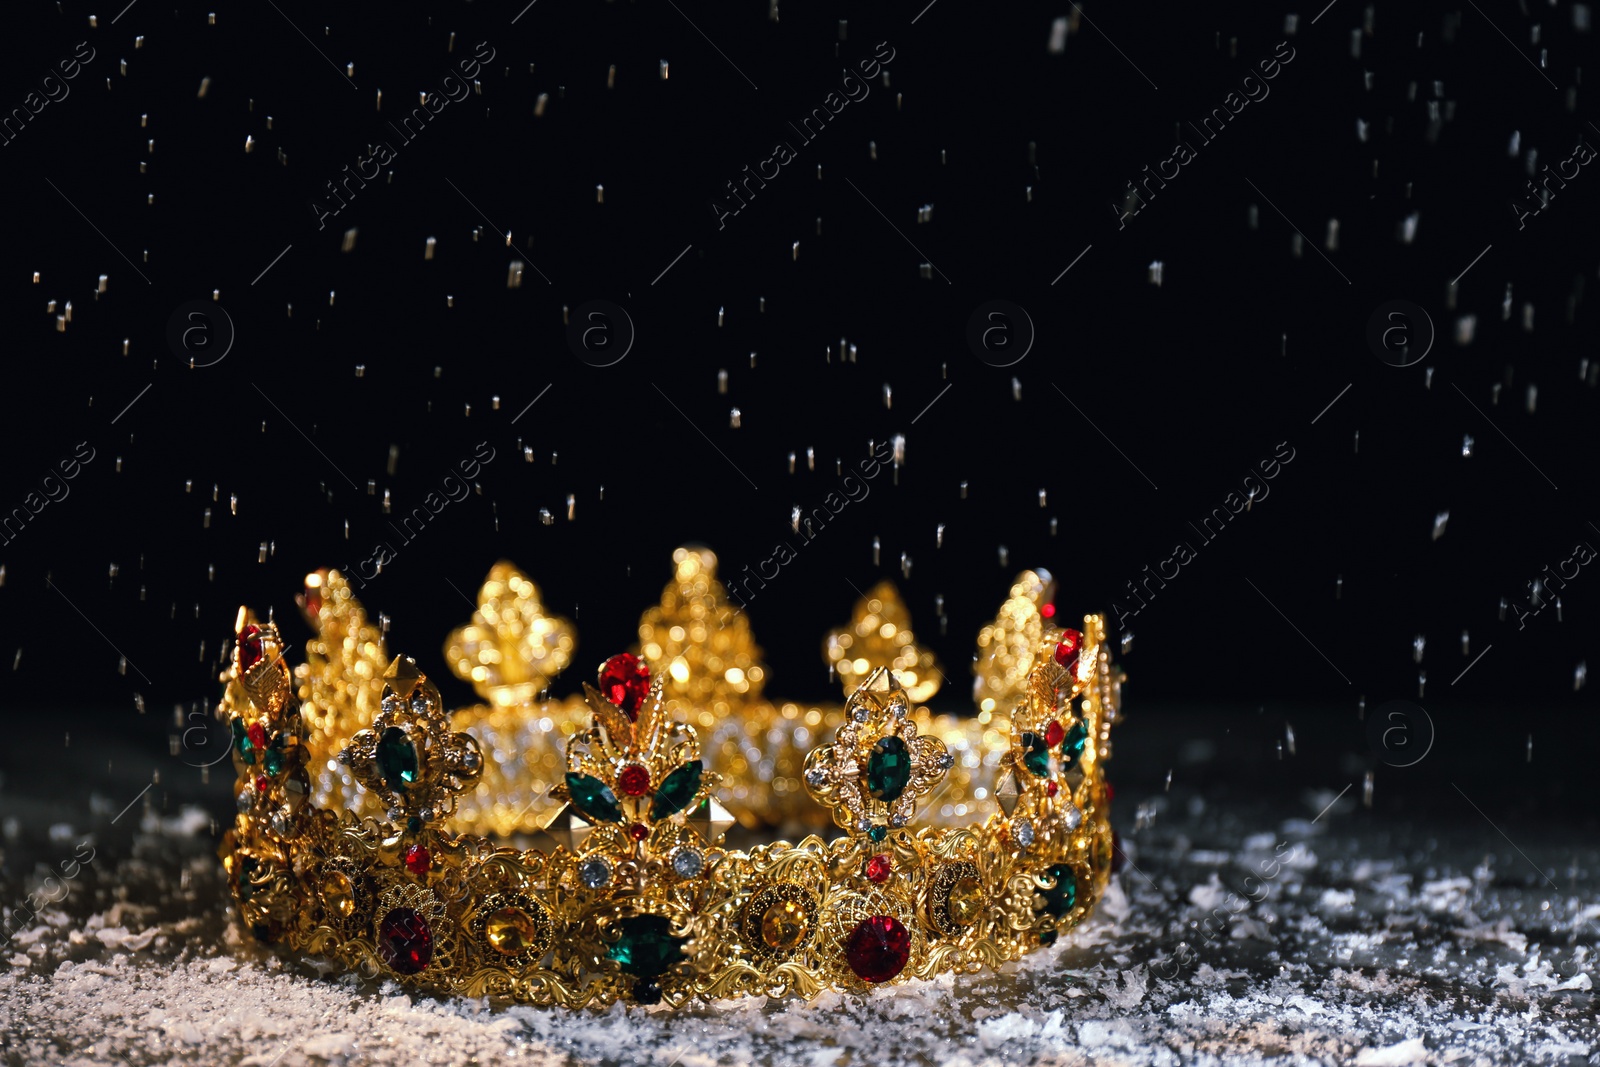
(877, 766)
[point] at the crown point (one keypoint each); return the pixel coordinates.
(710, 820)
(567, 827)
(692, 560)
(880, 681)
(402, 676)
(879, 635)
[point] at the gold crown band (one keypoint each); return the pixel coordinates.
(368, 814)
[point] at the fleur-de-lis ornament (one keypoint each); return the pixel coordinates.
(1009, 646)
(696, 641)
(510, 652)
(409, 756)
(879, 635)
(341, 684)
(877, 766)
(511, 648)
(635, 774)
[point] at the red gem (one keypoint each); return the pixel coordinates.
(1067, 649)
(1048, 611)
(1109, 792)
(638, 831)
(249, 646)
(879, 868)
(418, 859)
(878, 948)
(261, 784)
(404, 941)
(258, 735)
(634, 780)
(625, 681)
(1051, 788)
(1054, 733)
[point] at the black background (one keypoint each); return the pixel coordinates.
(1305, 604)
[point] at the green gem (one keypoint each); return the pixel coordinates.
(1060, 899)
(414, 824)
(1072, 744)
(241, 741)
(593, 798)
(247, 867)
(677, 790)
(878, 833)
(1036, 754)
(645, 949)
(1048, 937)
(397, 759)
(889, 769)
(274, 759)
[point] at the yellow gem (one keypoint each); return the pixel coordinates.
(785, 925)
(510, 931)
(338, 894)
(965, 901)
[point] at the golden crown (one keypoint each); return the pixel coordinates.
(575, 851)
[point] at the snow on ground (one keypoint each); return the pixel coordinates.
(1339, 957)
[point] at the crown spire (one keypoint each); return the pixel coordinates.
(341, 684)
(700, 646)
(511, 648)
(880, 635)
(1007, 647)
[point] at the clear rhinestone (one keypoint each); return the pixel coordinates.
(1072, 816)
(898, 820)
(345, 756)
(244, 799)
(419, 703)
(687, 863)
(900, 711)
(863, 824)
(946, 761)
(594, 873)
(860, 713)
(391, 702)
(1022, 832)
(283, 823)
(817, 777)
